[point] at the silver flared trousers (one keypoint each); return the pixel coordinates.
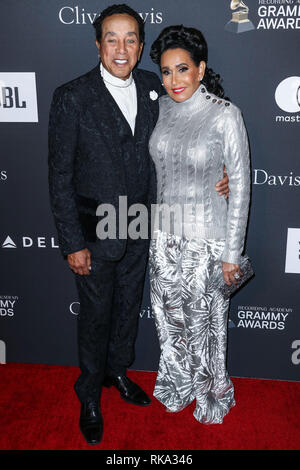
(191, 321)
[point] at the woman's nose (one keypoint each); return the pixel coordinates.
(174, 80)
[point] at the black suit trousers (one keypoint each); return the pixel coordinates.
(110, 300)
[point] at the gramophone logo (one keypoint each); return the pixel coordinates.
(240, 22)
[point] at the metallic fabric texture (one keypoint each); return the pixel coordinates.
(191, 143)
(191, 321)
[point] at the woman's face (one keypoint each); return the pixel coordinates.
(181, 77)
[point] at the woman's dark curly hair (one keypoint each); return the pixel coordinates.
(193, 41)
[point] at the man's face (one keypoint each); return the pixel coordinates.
(120, 47)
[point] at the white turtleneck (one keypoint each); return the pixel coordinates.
(124, 94)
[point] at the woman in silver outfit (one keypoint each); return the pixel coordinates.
(197, 133)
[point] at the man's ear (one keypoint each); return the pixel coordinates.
(140, 50)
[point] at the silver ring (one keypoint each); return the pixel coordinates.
(236, 276)
(90, 267)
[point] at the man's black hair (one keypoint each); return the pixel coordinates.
(117, 10)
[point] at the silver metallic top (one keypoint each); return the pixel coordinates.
(190, 145)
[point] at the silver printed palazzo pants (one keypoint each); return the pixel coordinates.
(191, 321)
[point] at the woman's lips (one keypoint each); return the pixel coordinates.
(178, 90)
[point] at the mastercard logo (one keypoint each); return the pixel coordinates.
(287, 95)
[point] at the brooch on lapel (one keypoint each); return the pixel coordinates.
(153, 95)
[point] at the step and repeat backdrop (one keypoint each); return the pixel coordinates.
(255, 46)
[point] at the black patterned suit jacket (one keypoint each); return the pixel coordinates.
(88, 135)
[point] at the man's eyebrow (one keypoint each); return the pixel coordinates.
(109, 32)
(112, 33)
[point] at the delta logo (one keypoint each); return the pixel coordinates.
(29, 242)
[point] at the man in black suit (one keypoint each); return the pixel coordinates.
(99, 128)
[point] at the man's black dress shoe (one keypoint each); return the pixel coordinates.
(91, 423)
(129, 390)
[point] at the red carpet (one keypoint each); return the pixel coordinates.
(40, 411)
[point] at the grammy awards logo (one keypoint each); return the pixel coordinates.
(240, 22)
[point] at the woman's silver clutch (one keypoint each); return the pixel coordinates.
(217, 277)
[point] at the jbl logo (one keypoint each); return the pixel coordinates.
(18, 100)
(10, 98)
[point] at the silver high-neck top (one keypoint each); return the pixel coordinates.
(190, 145)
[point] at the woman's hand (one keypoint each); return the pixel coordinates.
(230, 272)
(222, 186)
